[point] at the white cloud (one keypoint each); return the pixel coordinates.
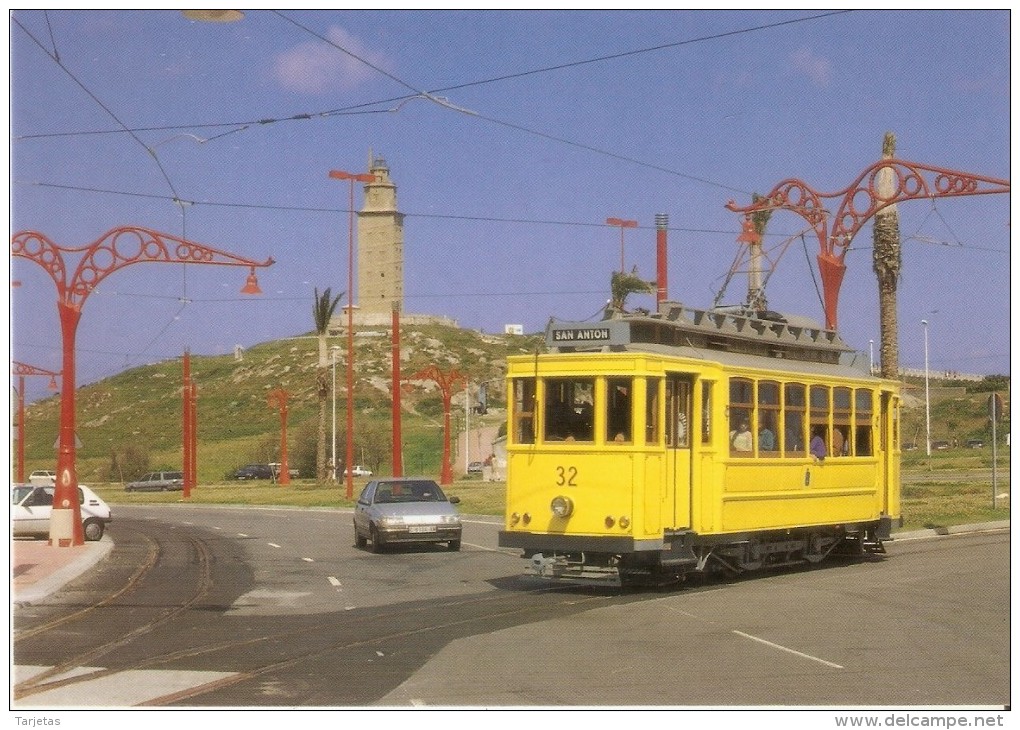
(316, 67)
(816, 68)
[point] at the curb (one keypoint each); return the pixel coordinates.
(951, 530)
(45, 586)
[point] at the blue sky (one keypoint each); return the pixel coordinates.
(548, 123)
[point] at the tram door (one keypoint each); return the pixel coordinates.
(887, 446)
(678, 448)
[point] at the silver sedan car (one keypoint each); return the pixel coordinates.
(405, 510)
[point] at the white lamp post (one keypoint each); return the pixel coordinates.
(927, 400)
(332, 468)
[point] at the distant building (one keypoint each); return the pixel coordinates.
(380, 266)
(380, 246)
(513, 329)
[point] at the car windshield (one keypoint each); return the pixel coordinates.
(19, 493)
(411, 491)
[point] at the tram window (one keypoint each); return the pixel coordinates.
(619, 397)
(840, 422)
(863, 399)
(569, 409)
(741, 407)
(653, 431)
(819, 414)
(524, 410)
(793, 420)
(678, 405)
(706, 412)
(768, 418)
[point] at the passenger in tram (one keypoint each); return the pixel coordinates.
(740, 439)
(817, 447)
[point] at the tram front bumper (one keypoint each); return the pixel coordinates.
(534, 542)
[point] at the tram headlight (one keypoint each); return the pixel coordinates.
(610, 521)
(514, 519)
(527, 518)
(625, 522)
(562, 506)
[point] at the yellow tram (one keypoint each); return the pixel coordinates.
(652, 445)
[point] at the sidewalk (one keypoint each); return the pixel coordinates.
(39, 569)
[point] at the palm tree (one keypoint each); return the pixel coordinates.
(322, 313)
(755, 287)
(623, 285)
(887, 258)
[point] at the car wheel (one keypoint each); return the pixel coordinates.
(454, 545)
(359, 540)
(374, 536)
(93, 529)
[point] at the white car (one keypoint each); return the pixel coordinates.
(32, 505)
(360, 471)
(43, 477)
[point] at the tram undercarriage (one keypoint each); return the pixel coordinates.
(686, 554)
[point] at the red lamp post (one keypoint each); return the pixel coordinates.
(21, 370)
(398, 443)
(278, 399)
(856, 204)
(622, 224)
(353, 178)
(116, 249)
(446, 382)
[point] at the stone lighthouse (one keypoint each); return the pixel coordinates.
(380, 248)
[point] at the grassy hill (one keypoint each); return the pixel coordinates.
(137, 414)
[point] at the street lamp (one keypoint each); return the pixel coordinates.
(353, 178)
(622, 224)
(332, 470)
(927, 400)
(116, 249)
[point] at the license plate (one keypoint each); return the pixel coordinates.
(418, 529)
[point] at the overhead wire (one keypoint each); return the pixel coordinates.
(54, 56)
(430, 95)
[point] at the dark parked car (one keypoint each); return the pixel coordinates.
(405, 510)
(157, 481)
(254, 471)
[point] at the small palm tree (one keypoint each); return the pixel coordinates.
(322, 312)
(887, 259)
(623, 285)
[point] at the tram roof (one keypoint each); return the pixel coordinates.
(732, 336)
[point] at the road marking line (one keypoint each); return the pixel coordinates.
(504, 551)
(333, 582)
(788, 650)
(308, 560)
(241, 534)
(272, 544)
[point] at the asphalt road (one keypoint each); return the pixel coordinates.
(244, 607)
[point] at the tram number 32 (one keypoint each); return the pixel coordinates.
(566, 476)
